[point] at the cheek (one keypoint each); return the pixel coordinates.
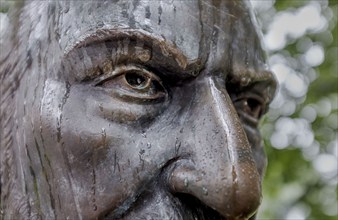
(107, 161)
(103, 156)
(46, 171)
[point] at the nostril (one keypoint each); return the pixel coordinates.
(232, 192)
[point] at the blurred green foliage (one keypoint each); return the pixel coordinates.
(300, 131)
(4, 5)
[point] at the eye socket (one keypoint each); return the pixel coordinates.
(136, 84)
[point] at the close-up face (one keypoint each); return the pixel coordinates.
(138, 110)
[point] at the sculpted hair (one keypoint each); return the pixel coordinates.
(29, 29)
(15, 60)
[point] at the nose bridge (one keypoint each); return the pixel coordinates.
(237, 144)
(221, 171)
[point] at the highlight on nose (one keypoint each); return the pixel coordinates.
(228, 181)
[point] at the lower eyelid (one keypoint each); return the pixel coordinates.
(121, 112)
(247, 118)
(134, 97)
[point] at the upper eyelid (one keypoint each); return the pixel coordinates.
(104, 76)
(262, 91)
(120, 70)
(260, 82)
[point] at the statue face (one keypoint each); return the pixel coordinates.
(141, 109)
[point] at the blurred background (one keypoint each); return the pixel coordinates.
(300, 131)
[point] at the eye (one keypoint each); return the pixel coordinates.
(134, 84)
(137, 81)
(144, 82)
(250, 107)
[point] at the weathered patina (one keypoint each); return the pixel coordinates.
(132, 110)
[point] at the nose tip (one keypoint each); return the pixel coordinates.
(235, 193)
(220, 171)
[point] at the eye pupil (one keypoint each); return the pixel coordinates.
(136, 80)
(255, 107)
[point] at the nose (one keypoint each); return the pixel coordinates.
(220, 171)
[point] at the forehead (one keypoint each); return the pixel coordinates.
(177, 21)
(200, 30)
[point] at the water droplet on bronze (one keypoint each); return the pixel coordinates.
(186, 182)
(205, 191)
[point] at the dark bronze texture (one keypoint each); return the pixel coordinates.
(132, 109)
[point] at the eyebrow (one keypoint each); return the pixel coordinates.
(249, 78)
(162, 48)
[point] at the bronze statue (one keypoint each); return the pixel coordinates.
(132, 109)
